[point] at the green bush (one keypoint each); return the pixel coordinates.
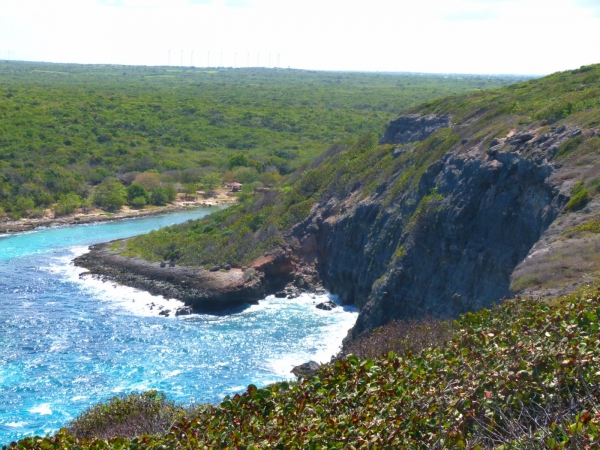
(67, 204)
(139, 202)
(158, 196)
(578, 201)
(127, 416)
(110, 195)
(137, 191)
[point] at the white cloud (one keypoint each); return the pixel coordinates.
(483, 36)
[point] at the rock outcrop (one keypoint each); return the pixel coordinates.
(413, 128)
(452, 242)
(306, 370)
(201, 290)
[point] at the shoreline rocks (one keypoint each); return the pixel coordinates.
(199, 289)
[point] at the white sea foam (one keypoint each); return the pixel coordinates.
(319, 349)
(42, 410)
(15, 424)
(123, 297)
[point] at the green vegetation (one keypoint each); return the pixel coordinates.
(574, 94)
(578, 201)
(592, 227)
(67, 128)
(521, 376)
(127, 416)
(242, 233)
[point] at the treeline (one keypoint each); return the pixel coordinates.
(65, 129)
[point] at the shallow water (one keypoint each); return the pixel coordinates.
(68, 342)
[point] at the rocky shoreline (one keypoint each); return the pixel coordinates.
(204, 290)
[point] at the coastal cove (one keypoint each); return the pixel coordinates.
(68, 342)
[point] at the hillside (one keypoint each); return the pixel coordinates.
(64, 128)
(464, 201)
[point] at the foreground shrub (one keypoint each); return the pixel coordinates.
(401, 337)
(521, 376)
(127, 416)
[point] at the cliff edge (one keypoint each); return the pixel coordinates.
(463, 202)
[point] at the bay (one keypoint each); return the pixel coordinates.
(68, 342)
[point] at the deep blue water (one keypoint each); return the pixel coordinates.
(67, 342)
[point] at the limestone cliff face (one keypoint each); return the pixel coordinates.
(448, 244)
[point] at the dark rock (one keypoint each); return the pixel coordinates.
(524, 136)
(163, 264)
(202, 290)
(413, 128)
(226, 267)
(214, 269)
(172, 263)
(306, 370)
(281, 294)
(165, 312)
(326, 306)
(184, 311)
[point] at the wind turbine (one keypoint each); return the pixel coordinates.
(192, 58)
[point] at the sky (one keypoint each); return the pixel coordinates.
(533, 37)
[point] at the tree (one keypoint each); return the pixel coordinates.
(170, 192)
(211, 180)
(238, 160)
(135, 191)
(149, 180)
(110, 195)
(270, 178)
(67, 203)
(138, 202)
(189, 189)
(159, 196)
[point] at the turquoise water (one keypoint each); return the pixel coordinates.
(68, 342)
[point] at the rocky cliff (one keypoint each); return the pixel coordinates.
(451, 243)
(463, 202)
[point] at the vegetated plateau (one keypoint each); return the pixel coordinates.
(66, 130)
(463, 201)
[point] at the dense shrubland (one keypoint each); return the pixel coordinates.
(67, 128)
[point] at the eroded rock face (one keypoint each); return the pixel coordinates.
(491, 205)
(413, 128)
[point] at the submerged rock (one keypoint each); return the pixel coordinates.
(184, 311)
(327, 306)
